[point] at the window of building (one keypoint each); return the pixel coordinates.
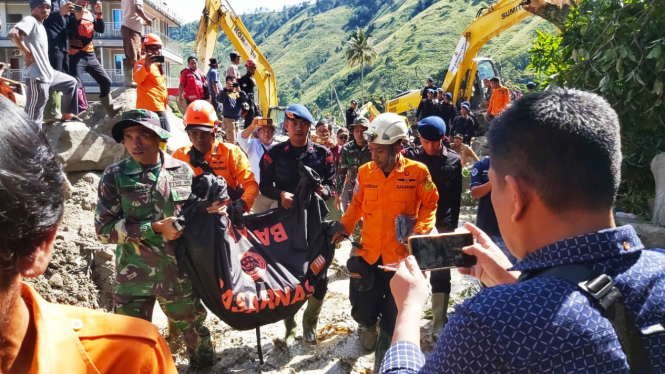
(117, 19)
(117, 64)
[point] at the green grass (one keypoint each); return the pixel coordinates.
(307, 52)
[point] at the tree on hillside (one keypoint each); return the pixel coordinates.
(616, 48)
(360, 52)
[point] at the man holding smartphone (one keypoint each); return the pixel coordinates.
(389, 186)
(231, 98)
(151, 93)
(586, 296)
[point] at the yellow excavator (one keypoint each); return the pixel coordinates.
(467, 71)
(218, 14)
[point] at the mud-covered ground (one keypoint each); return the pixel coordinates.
(82, 273)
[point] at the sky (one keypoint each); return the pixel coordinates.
(190, 10)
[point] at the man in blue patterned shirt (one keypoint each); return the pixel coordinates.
(556, 159)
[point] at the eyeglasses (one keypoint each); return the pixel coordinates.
(343, 137)
(369, 137)
(323, 132)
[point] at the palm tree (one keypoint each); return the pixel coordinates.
(359, 51)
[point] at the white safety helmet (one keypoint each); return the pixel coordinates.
(387, 128)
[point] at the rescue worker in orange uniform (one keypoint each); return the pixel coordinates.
(37, 336)
(388, 186)
(498, 101)
(151, 93)
(207, 154)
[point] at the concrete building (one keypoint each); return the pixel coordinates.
(108, 46)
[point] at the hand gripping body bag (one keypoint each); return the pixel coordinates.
(259, 271)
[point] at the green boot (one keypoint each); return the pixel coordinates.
(290, 324)
(382, 346)
(107, 103)
(52, 112)
(128, 71)
(439, 313)
(310, 318)
(368, 336)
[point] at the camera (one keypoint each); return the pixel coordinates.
(78, 8)
(236, 85)
(159, 59)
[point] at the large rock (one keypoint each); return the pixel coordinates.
(79, 148)
(658, 169)
(125, 98)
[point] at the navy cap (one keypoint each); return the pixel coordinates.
(431, 90)
(466, 104)
(530, 85)
(439, 89)
(299, 110)
(449, 95)
(432, 128)
(430, 79)
(354, 101)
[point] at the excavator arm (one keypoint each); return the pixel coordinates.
(217, 15)
(462, 70)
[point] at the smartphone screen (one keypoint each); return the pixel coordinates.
(159, 59)
(443, 251)
(265, 121)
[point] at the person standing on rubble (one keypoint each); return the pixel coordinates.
(82, 26)
(280, 176)
(389, 186)
(139, 199)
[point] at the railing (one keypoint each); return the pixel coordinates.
(6, 29)
(112, 31)
(116, 75)
(169, 43)
(164, 10)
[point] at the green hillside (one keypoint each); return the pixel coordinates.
(305, 45)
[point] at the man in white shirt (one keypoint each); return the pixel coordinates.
(255, 147)
(133, 20)
(232, 70)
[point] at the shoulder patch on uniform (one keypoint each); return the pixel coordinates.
(428, 186)
(474, 172)
(267, 158)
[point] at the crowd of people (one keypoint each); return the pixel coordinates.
(534, 227)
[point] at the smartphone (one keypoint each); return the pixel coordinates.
(159, 59)
(78, 8)
(265, 121)
(442, 251)
(236, 85)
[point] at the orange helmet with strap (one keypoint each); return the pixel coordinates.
(152, 39)
(200, 115)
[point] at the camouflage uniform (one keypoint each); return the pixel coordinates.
(350, 160)
(131, 197)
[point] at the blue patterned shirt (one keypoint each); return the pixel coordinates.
(545, 325)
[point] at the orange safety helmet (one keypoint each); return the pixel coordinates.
(152, 39)
(250, 63)
(200, 115)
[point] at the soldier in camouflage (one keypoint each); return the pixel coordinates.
(139, 198)
(354, 155)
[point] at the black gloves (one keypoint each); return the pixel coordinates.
(236, 211)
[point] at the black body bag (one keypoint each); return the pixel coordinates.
(259, 272)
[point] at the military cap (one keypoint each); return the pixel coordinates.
(139, 117)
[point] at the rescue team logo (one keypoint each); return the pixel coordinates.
(267, 158)
(406, 180)
(253, 265)
(428, 186)
(474, 172)
(248, 302)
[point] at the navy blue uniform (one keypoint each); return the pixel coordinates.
(446, 171)
(279, 168)
(447, 113)
(425, 109)
(465, 127)
(486, 218)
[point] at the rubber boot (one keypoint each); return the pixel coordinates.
(439, 313)
(310, 318)
(382, 346)
(368, 336)
(290, 324)
(52, 112)
(107, 103)
(129, 76)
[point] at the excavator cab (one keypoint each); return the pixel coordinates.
(485, 69)
(277, 113)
